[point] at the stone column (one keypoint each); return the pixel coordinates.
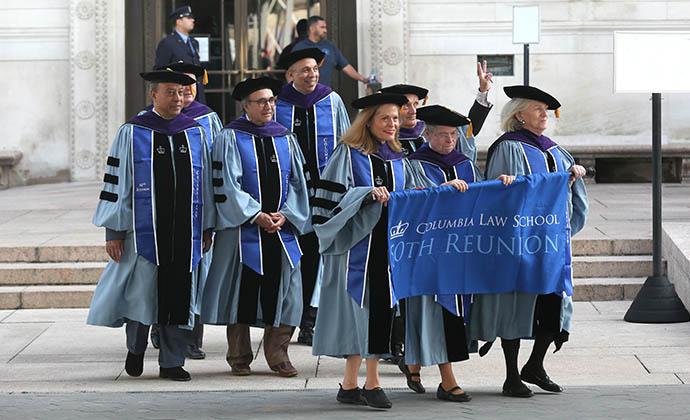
(96, 38)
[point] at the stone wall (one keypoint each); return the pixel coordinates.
(62, 63)
(676, 252)
(434, 43)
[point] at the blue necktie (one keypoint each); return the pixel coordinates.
(191, 46)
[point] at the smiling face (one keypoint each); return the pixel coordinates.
(260, 106)
(409, 111)
(168, 99)
(442, 138)
(385, 122)
(535, 117)
(304, 75)
(189, 92)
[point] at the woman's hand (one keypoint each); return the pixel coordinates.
(458, 184)
(381, 195)
(266, 222)
(506, 179)
(577, 171)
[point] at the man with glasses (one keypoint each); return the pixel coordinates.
(262, 206)
(317, 116)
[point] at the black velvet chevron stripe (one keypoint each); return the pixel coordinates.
(323, 203)
(331, 186)
(108, 196)
(220, 198)
(317, 220)
(113, 161)
(110, 179)
(217, 182)
(218, 165)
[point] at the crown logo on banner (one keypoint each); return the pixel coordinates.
(399, 229)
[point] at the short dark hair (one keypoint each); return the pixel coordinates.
(314, 20)
(302, 28)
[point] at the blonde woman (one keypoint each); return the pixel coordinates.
(350, 218)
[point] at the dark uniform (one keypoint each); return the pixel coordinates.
(173, 48)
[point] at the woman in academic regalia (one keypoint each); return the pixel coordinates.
(350, 218)
(522, 150)
(435, 325)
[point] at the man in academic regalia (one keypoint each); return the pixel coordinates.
(180, 45)
(317, 116)
(156, 206)
(263, 205)
(212, 125)
(411, 128)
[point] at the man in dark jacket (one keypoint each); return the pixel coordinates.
(179, 45)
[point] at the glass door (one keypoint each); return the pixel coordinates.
(245, 38)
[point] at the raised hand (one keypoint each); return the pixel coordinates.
(486, 79)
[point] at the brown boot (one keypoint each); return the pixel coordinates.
(276, 341)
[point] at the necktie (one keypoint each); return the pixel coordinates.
(191, 46)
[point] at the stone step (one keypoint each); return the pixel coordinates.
(607, 288)
(43, 297)
(96, 253)
(79, 296)
(612, 266)
(19, 274)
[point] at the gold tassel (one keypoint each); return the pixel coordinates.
(426, 98)
(557, 112)
(470, 131)
(204, 78)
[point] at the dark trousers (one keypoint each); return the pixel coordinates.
(173, 342)
(309, 267)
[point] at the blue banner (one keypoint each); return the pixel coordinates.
(489, 239)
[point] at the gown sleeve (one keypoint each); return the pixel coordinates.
(343, 214)
(342, 118)
(216, 127)
(579, 206)
(507, 159)
(296, 207)
(233, 205)
(209, 210)
(114, 210)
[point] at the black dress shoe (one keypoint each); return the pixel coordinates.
(350, 396)
(175, 373)
(444, 395)
(540, 379)
(194, 352)
(376, 398)
(134, 364)
(517, 390)
(416, 386)
(305, 336)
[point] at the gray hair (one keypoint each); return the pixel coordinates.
(508, 120)
(153, 86)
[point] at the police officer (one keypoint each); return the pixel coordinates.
(179, 45)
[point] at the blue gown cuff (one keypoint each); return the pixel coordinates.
(114, 235)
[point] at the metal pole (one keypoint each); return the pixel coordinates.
(525, 71)
(656, 185)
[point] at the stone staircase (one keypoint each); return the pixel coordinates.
(65, 277)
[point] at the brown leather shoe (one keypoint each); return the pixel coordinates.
(240, 370)
(285, 369)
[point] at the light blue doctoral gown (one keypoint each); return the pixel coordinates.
(221, 292)
(425, 338)
(128, 290)
(510, 315)
(342, 326)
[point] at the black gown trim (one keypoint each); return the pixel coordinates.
(455, 334)
(110, 179)
(108, 196)
(113, 161)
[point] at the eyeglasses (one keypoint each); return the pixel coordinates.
(264, 101)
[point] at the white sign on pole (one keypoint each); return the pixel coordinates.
(651, 61)
(526, 24)
(203, 48)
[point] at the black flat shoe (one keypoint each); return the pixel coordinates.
(444, 395)
(517, 390)
(376, 398)
(350, 396)
(175, 373)
(416, 386)
(134, 364)
(540, 379)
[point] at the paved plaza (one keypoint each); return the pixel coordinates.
(54, 365)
